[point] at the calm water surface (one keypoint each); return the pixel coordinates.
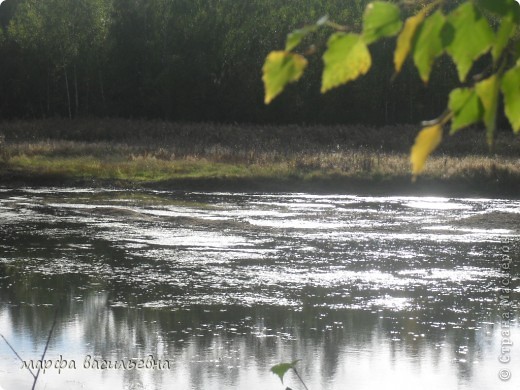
(369, 292)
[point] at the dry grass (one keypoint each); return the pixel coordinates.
(121, 161)
(243, 140)
(155, 151)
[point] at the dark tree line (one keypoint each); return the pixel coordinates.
(190, 60)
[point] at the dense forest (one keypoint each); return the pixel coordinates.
(193, 60)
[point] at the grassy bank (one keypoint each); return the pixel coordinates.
(172, 155)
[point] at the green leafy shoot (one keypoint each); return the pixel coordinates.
(381, 19)
(465, 34)
(282, 368)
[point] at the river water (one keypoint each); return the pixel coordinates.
(209, 290)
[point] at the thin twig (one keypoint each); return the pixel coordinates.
(18, 356)
(441, 120)
(336, 26)
(45, 350)
(300, 378)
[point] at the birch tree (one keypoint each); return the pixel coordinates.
(67, 33)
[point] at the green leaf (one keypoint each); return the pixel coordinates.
(487, 90)
(511, 91)
(281, 68)
(503, 35)
(381, 19)
(467, 36)
(347, 57)
(499, 7)
(466, 107)
(428, 44)
(516, 51)
(282, 368)
(425, 143)
(404, 40)
(295, 37)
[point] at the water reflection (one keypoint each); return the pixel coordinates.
(394, 293)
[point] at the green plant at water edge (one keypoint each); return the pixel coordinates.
(464, 33)
(282, 368)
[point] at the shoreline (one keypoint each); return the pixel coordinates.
(351, 159)
(397, 186)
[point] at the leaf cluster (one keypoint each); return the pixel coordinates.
(464, 33)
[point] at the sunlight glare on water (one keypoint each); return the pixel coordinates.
(370, 292)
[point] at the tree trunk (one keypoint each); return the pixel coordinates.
(76, 97)
(101, 85)
(87, 96)
(68, 92)
(48, 90)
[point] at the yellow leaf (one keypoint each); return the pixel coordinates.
(281, 68)
(425, 143)
(404, 40)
